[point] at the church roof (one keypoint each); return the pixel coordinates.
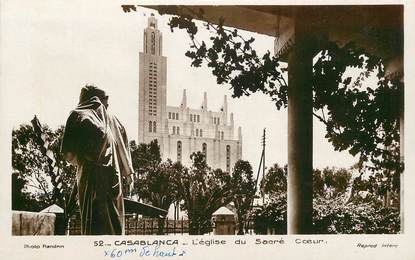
(53, 209)
(223, 211)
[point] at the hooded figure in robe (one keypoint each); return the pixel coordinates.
(96, 143)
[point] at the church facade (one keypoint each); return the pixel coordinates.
(181, 130)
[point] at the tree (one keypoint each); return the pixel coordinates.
(333, 213)
(273, 214)
(343, 205)
(39, 186)
(203, 191)
(157, 181)
(145, 157)
(275, 181)
(243, 186)
(363, 215)
(22, 199)
(331, 182)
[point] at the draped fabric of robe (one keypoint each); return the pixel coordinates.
(102, 156)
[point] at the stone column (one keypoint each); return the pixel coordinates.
(300, 128)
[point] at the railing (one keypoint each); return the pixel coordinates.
(135, 225)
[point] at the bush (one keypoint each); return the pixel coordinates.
(271, 216)
(332, 216)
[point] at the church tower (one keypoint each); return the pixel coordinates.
(152, 86)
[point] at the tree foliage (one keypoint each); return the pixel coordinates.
(39, 187)
(333, 211)
(145, 157)
(243, 186)
(363, 216)
(271, 217)
(331, 181)
(203, 191)
(157, 182)
(275, 181)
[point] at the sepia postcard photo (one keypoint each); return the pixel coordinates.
(167, 130)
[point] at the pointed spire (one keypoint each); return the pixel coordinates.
(184, 99)
(225, 104)
(152, 22)
(204, 104)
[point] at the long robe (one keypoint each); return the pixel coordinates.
(102, 156)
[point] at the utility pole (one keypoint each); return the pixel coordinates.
(262, 163)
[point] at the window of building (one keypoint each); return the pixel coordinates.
(153, 43)
(214, 120)
(155, 127)
(169, 115)
(228, 158)
(177, 116)
(218, 121)
(197, 132)
(174, 130)
(198, 118)
(204, 150)
(222, 135)
(179, 151)
(201, 133)
(150, 126)
(178, 130)
(190, 117)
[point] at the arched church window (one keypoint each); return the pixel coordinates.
(228, 158)
(179, 151)
(150, 126)
(204, 150)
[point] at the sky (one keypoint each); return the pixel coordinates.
(53, 48)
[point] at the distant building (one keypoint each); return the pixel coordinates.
(181, 130)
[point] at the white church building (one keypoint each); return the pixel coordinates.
(181, 130)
